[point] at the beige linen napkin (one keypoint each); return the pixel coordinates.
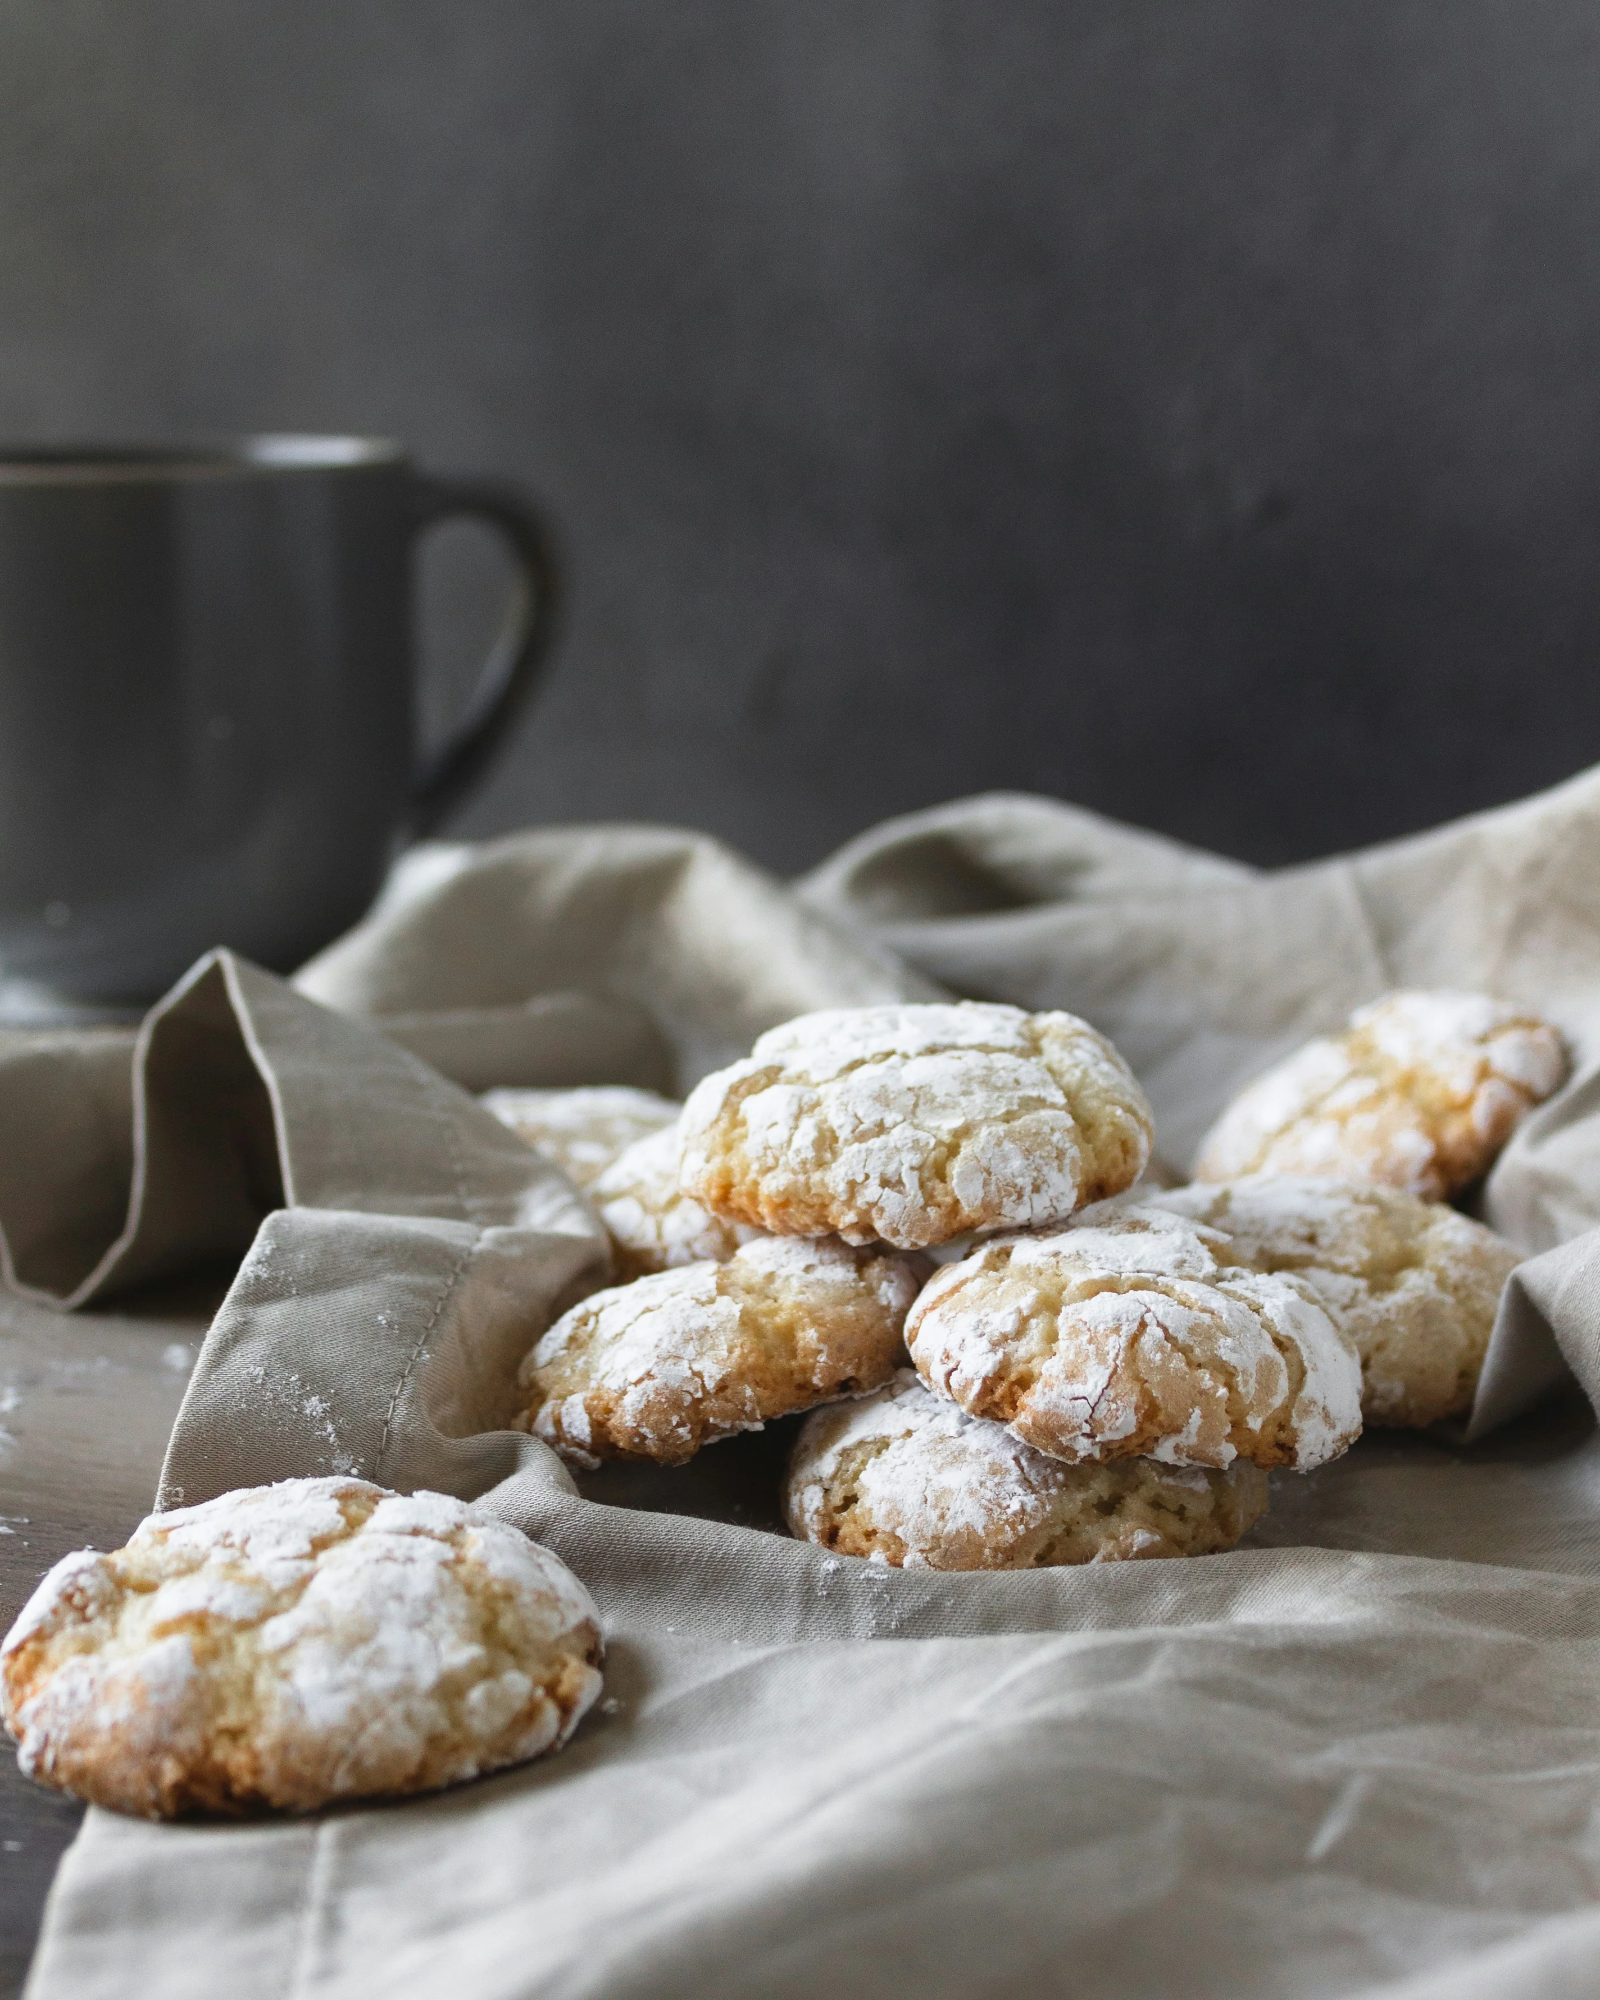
(1361, 1755)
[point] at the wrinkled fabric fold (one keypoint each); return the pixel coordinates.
(1359, 1755)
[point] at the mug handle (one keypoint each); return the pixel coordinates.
(518, 656)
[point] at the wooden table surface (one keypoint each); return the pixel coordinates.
(86, 1405)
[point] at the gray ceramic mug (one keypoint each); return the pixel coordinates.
(207, 729)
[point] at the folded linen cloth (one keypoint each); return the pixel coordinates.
(1295, 1769)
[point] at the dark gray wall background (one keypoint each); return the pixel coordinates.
(1190, 409)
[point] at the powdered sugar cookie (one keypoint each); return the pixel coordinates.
(910, 1124)
(1420, 1092)
(904, 1477)
(1415, 1285)
(583, 1131)
(658, 1368)
(1132, 1333)
(653, 1224)
(291, 1644)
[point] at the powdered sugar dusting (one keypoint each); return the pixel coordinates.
(583, 1130)
(355, 1642)
(1133, 1330)
(673, 1361)
(654, 1224)
(1413, 1284)
(673, 1348)
(912, 1123)
(903, 1476)
(1420, 1092)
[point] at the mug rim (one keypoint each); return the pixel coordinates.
(99, 462)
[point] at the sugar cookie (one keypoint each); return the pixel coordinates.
(658, 1368)
(1414, 1284)
(1131, 1333)
(904, 1477)
(653, 1224)
(583, 1131)
(909, 1124)
(1420, 1092)
(287, 1645)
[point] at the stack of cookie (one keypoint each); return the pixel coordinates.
(774, 1237)
(1094, 1373)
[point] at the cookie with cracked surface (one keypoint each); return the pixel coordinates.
(653, 1224)
(1420, 1092)
(904, 1477)
(909, 1124)
(584, 1130)
(658, 1368)
(287, 1645)
(1413, 1283)
(1133, 1333)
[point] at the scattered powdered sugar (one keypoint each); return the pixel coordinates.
(289, 1395)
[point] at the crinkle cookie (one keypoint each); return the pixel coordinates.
(1131, 1333)
(910, 1124)
(904, 1477)
(1420, 1092)
(658, 1368)
(583, 1131)
(291, 1644)
(653, 1224)
(1415, 1285)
